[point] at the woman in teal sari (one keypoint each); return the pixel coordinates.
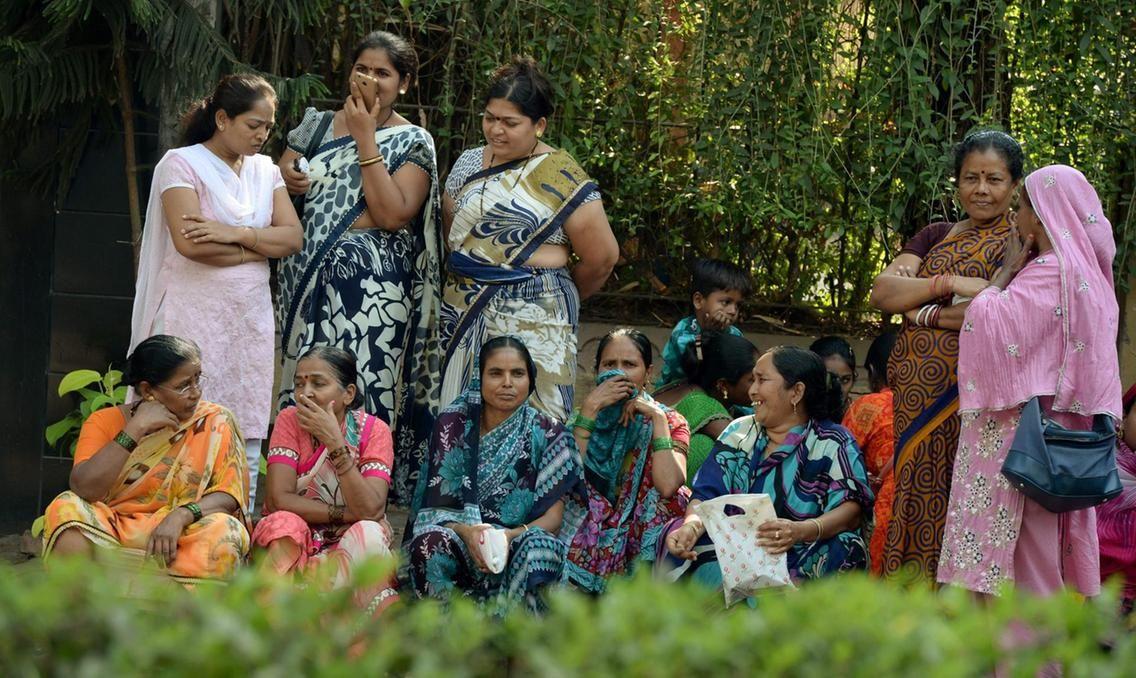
(634, 452)
(515, 210)
(495, 463)
(791, 450)
(368, 278)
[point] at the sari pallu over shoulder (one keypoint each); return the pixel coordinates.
(205, 455)
(375, 292)
(503, 215)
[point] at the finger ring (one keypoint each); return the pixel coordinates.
(777, 535)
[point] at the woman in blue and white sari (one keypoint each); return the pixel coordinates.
(516, 209)
(368, 278)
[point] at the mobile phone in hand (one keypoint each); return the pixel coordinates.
(368, 88)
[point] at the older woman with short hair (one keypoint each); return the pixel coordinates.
(164, 477)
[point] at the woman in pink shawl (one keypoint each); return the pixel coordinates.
(1116, 520)
(1045, 327)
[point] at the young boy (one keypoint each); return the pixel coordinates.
(718, 288)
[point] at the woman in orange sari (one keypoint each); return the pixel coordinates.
(942, 264)
(871, 420)
(165, 477)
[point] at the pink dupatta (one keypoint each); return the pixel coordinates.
(1052, 331)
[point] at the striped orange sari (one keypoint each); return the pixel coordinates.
(923, 374)
(205, 455)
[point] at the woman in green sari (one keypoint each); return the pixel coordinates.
(719, 373)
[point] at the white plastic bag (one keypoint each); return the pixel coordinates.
(494, 548)
(746, 567)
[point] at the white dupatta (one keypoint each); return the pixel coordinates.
(247, 201)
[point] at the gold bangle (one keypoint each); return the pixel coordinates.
(255, 236)
(371, 161)
(242, 252)
(820, 531)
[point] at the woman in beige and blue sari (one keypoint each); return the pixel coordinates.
(515, 210)
(368, 278)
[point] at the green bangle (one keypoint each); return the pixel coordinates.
(662, 444)
(194, 509)
(585, 423)
(124, 441)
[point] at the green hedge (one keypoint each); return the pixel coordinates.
(78, 622)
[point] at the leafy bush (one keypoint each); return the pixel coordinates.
(76, 621)
(106, 393)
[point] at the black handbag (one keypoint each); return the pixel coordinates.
(1060, 469)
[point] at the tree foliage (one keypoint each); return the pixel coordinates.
(802, 138)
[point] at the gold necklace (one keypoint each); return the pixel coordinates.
(520, 174)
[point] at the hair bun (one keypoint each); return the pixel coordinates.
(518, 65)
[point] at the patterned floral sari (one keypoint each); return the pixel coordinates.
(204, 455)
(922, 372)
(816, 469)
(616, 524)
(372, 291)
(503, 214)
(507, 477)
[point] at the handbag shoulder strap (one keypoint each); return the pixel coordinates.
(317, 137)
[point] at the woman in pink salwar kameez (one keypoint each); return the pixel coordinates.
(1045, 327)
(218, 211)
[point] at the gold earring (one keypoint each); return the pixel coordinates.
(221, 127)
(402, 91)
(794, 407)
(540, 134)
(150, 398)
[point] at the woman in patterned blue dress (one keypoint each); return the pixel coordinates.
(368, 277)
(791, 450)
(495, 462)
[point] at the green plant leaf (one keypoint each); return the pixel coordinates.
(100, 401)
(60, 428)
(120, 393)
(73, 381)
(111, 379)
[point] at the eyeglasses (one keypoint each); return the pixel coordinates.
(195, 385)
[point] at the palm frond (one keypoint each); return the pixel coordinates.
(32, 88)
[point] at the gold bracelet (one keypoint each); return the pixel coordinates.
(255, 236)
(371, 161)
(242, 252)
(816, 522)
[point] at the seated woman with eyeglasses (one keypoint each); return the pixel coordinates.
(164, 477)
